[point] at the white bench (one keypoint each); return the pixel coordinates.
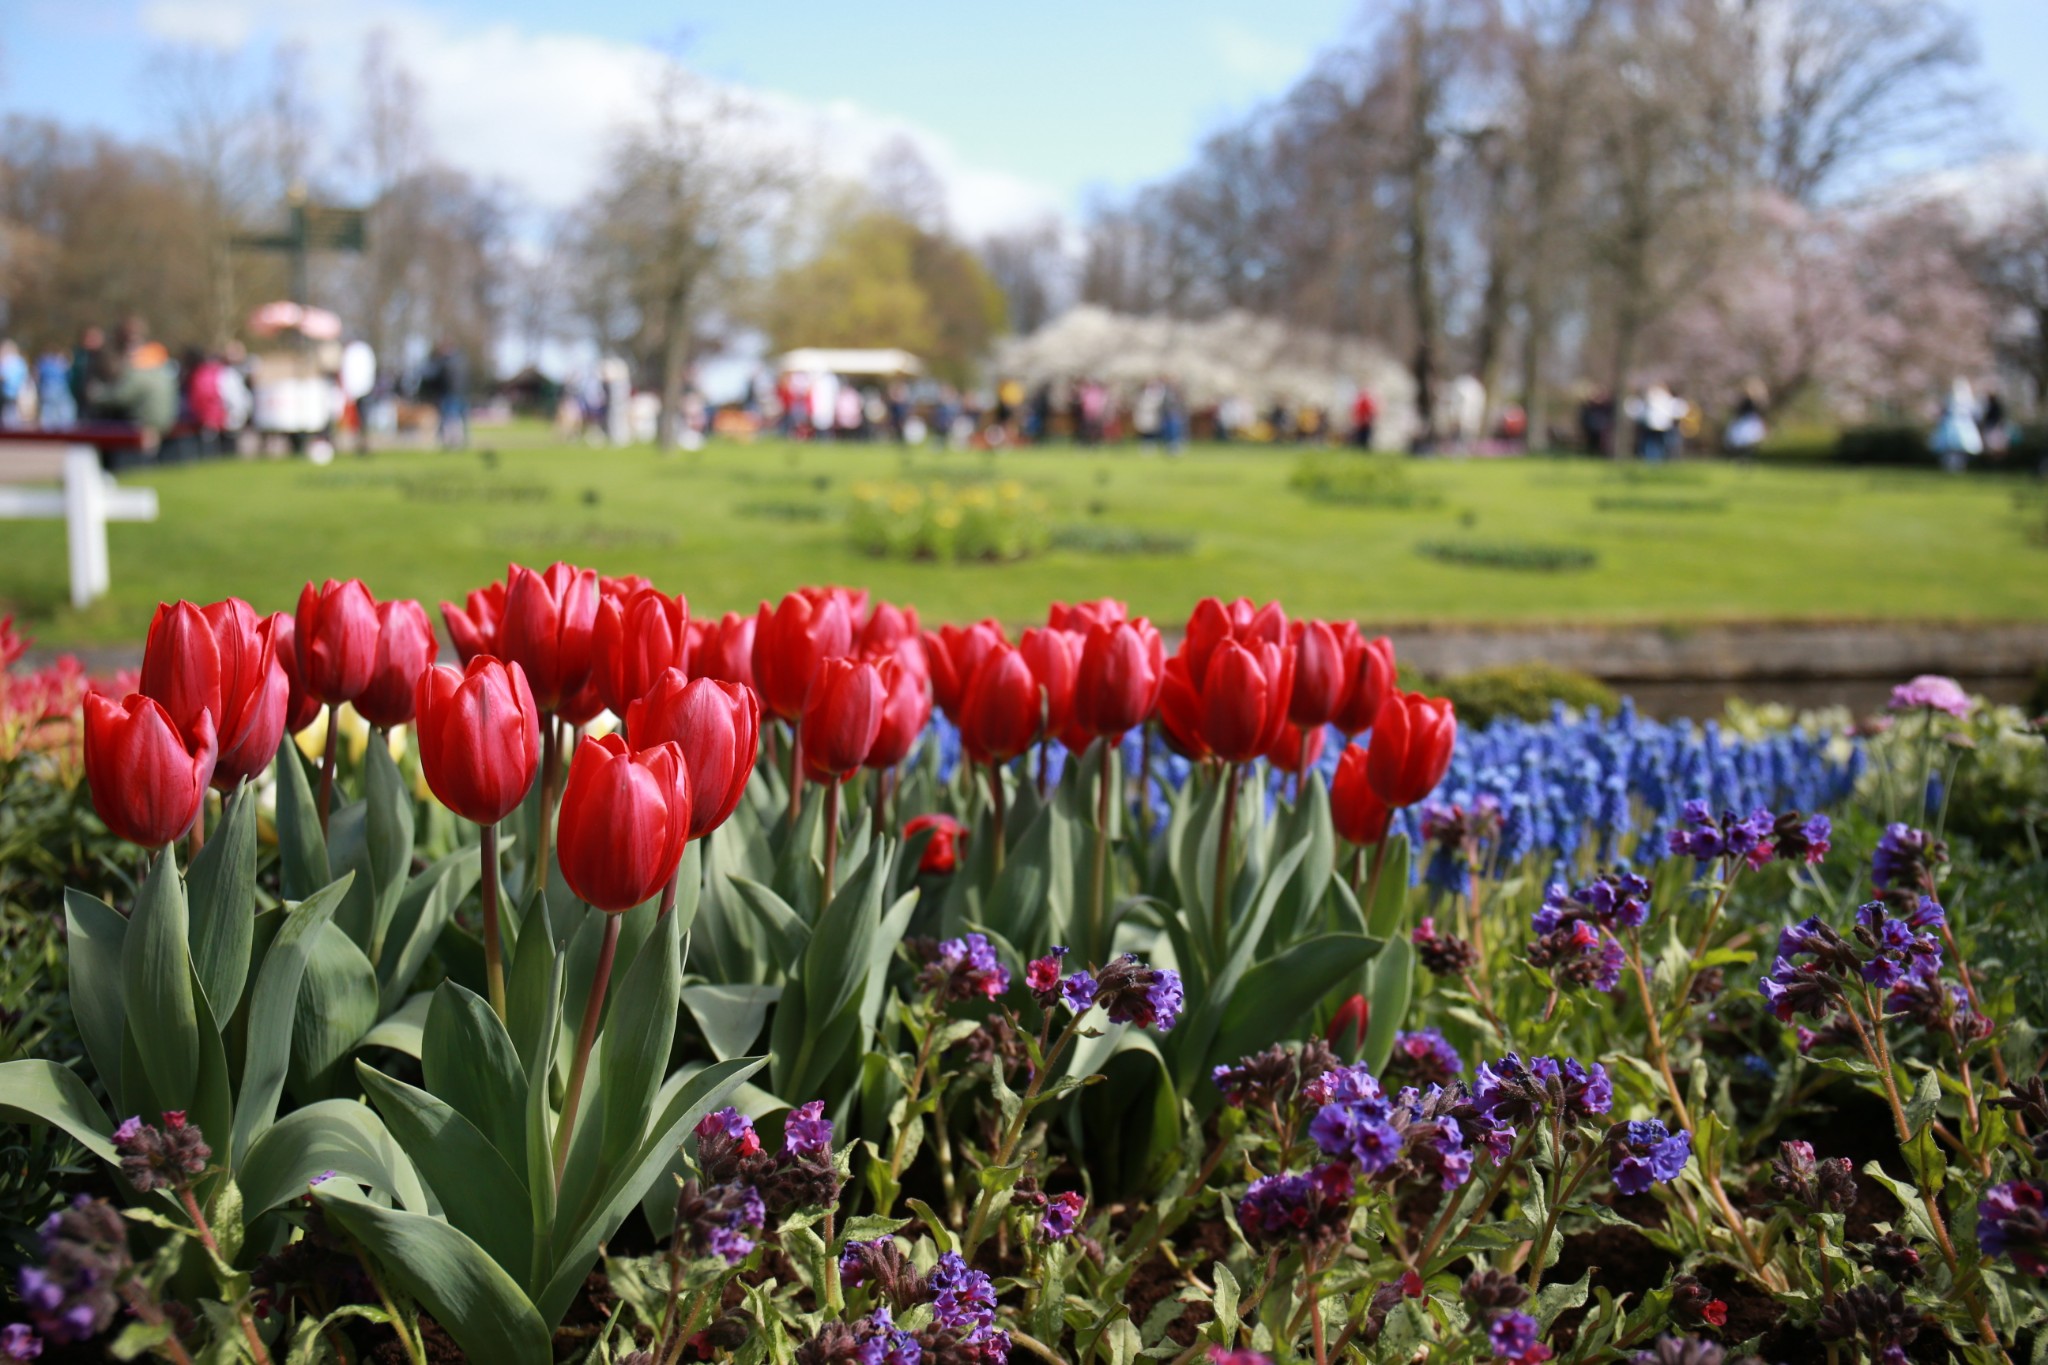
(86, 500)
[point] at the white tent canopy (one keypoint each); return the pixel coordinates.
(830, 360)
(1231, 355)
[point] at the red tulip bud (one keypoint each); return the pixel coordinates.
(625, 819)
(1412, 739)
(635, 638)
(1123, 665)
(1000, 716)
(1368, 680)
(302, 708)
(842, 719)
(479, 737)
(1350, 1021)
(716, 725)
(254, 688)
(1296, 750)
(546, 631)
(906, 708)
(723, 649)
(1355, 808)
(792, 643)
(1055, 660)
(1318, 674)
(953, 654)
(337, 640)
(147, 780)
(181, 666)
(474, 627)
(405, 649)
(942, 851)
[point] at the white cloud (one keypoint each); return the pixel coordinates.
(535, 109)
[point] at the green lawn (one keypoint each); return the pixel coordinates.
(734, 524)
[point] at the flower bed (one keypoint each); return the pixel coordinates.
(813, 986)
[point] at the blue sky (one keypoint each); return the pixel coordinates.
(1024, 108)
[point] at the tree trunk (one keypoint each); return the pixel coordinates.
(675, 357)
(1422, 293)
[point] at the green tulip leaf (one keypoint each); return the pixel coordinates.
(342, 1136)
(1273, 995)
(422, 912)
(94, 935)
(1390, 983)
(637, 1035)
(156, 974)
(469, 1063)
(387, 837)
(1385, 916)
(38, 1091)
(222, 893)
(730, 1017)
(337, 1005)
(301, 847)
(402, 1030)
(788, 935)
(468, 1293)
(273, 1010)
(478, 1191)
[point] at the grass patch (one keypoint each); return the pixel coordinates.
(1648, 502)
(770, 510)
(1519, 556)
(1810, 543)
(1381, 481)
(1119, 540)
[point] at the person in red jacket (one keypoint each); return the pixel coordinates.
(1363, 411)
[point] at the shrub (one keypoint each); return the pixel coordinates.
(1883, 445)
(1515, 555)
(1362, 481)
(1120, 540)
(977, 522)
(1524, 691)
(1646, 502)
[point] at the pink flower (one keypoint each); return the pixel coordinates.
(1933, 691)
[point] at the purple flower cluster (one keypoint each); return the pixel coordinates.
(1426, 1057)
(74, 1295)
(1134, 993)
(1042, 977)
(1276, 1077)
(1814, 959)
(882, 1342)
(1441, 954)
(161, 1158)
(1515, 1336)
(1905, 859)
(962, 1328)
(1413, 1135)
(1062, 1215)
(1645, 1153)
(1934, 692)
(964, 1306)
(19, 1342)
(1313, 1207)
(1579, 954)
(2012, 1221)
(1618, 900)
(1512, 1093)
(807, 1132)
(962, 968)
(1703, 837)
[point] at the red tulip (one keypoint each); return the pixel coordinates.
(723, 649)
(546, 629)
(1368, 679)
(1055, 660)
(623, 586)
(479, 736)
(255, 691)
(1083, 617)
(1351, 1020)
(1212, 623)
(301, 708)
(889, 631)
(636, 637)
(581, 707)
(842, 719)
(405, 649)
(181, 666)
(1355, 808)
(1117, 687)
(625, 819)
(147, 780)
(953, 654)
(716, 725)
(337, 640)
(1297, 749)
(1238, 709)
(474, 627)
(1318, 674)
(793, 641)
(906, 709)
(1000, 716)
(942, 851)
(1411, 747)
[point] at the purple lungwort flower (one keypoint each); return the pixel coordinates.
(1905, 857)
(1078, 990)
(1934, 692)
(1646, 1154)
(1280, 1210)
(1515, 1336)
(1042, 977)
(966, 967)
(1134, 993)
(807, 1132)
(960, 1297)
(882, 1342)
(1427, 1057)
(2012, 1221)
(19, 1342)
(1062, 1215)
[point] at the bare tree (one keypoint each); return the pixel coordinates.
(2010, 262)
(1031, 267)
(681, 212)
(902, 181)
(1848, 88)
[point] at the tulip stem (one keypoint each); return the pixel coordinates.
(668, 893)
(494, 952)
(586, 1038)
(550, 751)
(831, 840)
(995, 788)
(1220, 908)
(327, 764)
(796, 772)
(198, 833)
(1097, 948)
